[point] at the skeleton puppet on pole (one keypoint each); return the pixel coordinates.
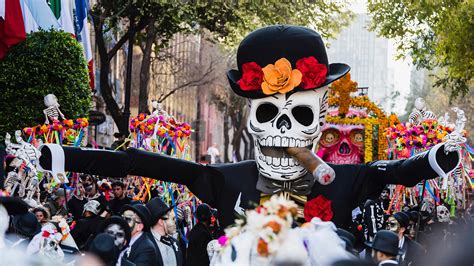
(284, 71)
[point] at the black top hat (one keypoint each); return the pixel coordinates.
(385, 241)
(14, 205)
(26, 224)
(402, 218)
(142, 212)
(158, 208)
(267, 45)
(203, 212)
(103, 247)
(121, 222)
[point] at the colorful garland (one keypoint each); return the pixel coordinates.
(376, 120)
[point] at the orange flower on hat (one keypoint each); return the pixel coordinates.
(280, 77)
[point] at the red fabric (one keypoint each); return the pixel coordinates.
(252, 77)
(318, 207)
(314, 73)
(12, 27)
(91, 74)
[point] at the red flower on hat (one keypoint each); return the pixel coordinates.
(252, 77)
(314, 73)
(318, 207)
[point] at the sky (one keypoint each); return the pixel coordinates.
(400, 69)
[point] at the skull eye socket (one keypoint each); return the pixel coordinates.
(266, 112)
(357, 136)
(330, 137)
(303, 114)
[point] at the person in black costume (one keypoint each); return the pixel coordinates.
(199, 237)
(232, 188)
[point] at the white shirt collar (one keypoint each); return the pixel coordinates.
(401, 242)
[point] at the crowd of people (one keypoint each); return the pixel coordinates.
(112, 228)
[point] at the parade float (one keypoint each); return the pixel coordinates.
(355, 126)
(423, 131)
(157, 132)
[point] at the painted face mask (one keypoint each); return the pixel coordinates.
(170, 223)
(286, 120)
(130, 217)
(117, 232)
(393, 225)
(384, 195)
(443, 214)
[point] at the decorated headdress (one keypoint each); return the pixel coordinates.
(282, 59)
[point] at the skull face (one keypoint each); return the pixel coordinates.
(393, 225)
(342, 144)
(443, 214)
(286, 120)
(118, 233)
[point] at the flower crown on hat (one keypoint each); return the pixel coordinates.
(281, 78)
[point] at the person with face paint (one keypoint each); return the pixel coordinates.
(374, 214)
(76, 203)
(163, 226)
(119, 229)
(140, 250)
(41, 214)
(199, 237)
(410, 250)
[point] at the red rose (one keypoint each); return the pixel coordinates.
(318, 207)
(314, 73)
(252, 77)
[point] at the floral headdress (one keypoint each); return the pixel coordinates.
(281, 78)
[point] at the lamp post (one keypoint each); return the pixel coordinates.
(128, 78)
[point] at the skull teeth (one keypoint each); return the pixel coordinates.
(284, 142)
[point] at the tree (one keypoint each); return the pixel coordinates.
(436, 34)
(46, 62)
(155, 23)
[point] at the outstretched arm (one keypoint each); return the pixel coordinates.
(200, 179)
(409, 172)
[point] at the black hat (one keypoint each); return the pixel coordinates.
(158, 208)
(14, 205)
(412, 215)
(267, 45)
(402, 218)
(121, 222)
(103, 247)
(142, 212)
(26, 224)
(203, 212)
(385, 241)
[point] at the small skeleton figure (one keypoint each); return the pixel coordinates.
(444, 120)
(157, 112)
(419, 113)
(23, 151)
(460, 119)
(52, 111)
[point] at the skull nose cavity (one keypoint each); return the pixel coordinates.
(283, 123)
(344, 148)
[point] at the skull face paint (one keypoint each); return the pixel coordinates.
(393, 225)
(286, 120)
(443, 214)
(117, 232)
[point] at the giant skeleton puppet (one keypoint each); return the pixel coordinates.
(284, 72)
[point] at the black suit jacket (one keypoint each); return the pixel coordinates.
(142, 253)
(198, 238)
(412, 252)
(222, 185)
(178, 253)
